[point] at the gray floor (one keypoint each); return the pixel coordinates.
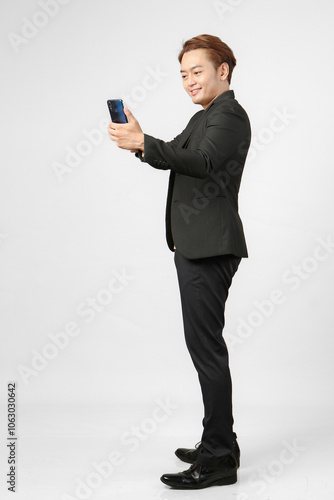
(286, 454)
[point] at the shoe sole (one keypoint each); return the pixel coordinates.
(189, 461)
(224, 481)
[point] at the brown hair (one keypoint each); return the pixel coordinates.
(218, 52)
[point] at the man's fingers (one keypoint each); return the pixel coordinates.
(113, 125)
(112, 134)
(113, 129)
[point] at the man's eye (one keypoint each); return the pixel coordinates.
(197, 72)
(183, 77)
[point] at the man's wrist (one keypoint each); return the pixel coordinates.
(141, 142)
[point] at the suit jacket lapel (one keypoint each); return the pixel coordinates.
(186, 139)
(225, 95)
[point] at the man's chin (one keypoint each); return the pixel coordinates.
(196, 99)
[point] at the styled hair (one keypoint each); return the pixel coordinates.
(218, 52)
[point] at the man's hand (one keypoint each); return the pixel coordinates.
(127, 135)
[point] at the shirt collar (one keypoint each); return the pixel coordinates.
(228, 94)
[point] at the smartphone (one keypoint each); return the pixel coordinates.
(116, 110)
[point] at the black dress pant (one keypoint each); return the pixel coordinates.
(204, 285)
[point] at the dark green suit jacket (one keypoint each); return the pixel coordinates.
(206, 162)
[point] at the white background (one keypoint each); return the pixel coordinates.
(62, 236)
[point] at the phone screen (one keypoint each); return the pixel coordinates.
(116, 111)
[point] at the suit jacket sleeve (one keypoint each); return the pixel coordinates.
(225, 132)
(174, 142)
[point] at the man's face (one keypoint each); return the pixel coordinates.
(200, 78)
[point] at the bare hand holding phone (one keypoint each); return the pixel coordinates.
(127, 134)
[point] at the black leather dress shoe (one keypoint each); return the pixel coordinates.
(201, 476)
(189, 455)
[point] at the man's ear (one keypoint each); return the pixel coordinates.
(224, 71)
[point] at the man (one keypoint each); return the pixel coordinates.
(204, 230)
